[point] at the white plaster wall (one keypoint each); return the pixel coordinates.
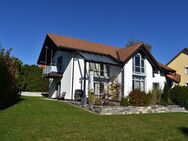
(159, 79)
(78, 82)
(127, 77)
(115, 71)
(52, 88)
(66, 80)
(149, 76)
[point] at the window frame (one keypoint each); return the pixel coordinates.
(186, 70)
(141, 66)
(140, 79)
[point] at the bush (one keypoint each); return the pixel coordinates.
(153, 97)
(165, 96)
(179, 95)
(136, 97)
(97, 102)
(91, 98)
(124, 101)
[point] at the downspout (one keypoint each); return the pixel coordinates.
(84, 97)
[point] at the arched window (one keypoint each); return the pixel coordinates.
(138, 78)
(138, 64)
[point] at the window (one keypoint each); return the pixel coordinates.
(186, 70)
(139, 82)
(155, 85)
(100, 70)
(138, 64)
(60, 64)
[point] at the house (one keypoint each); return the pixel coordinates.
(73, 64)
(180, 64)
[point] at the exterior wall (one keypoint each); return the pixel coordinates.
(128, 77)
(115, 71)
(52, 88)
(149, 76)
(66, 80)
(78, 81)
(179, 64)
(159, 79)
(73, 76)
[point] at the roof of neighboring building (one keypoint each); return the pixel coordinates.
(174, 77)
(166, 67)
(185, 51)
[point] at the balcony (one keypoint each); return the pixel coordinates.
(51, 72)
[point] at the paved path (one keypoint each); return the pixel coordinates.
(33, 93)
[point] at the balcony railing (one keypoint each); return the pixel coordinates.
(50, 69)
(51, 72)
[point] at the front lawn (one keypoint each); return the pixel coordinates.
(39, 119)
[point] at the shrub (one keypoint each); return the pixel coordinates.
(124, 101)
(91, 98)
(179, 95)
(97, 102)
(136, 97)
(165, 96)
(153, 97)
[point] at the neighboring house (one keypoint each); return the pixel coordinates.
(180, 64)
(73, 64)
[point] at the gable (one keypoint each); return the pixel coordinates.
(126, 54)
(184, 51)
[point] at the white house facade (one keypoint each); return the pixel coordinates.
(72, 65)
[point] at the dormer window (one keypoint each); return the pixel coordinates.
(138, 64)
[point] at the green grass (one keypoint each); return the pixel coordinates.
(39, 119)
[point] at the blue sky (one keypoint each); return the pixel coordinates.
(161, 23)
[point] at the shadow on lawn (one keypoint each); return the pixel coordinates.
(10, 103)
(184, 130)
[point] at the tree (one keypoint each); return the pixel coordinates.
(32, 79)
(131, 42)
(9, 76)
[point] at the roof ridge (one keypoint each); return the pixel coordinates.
(53, 34)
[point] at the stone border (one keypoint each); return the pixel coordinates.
(125, 110)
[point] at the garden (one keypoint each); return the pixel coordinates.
(171, 99)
